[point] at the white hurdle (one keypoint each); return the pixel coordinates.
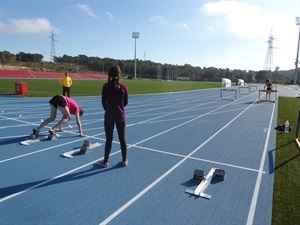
(230, 90)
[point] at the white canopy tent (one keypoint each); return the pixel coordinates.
(226, 82)
(240, 82)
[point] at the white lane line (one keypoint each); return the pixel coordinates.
(259, 176)
(198, 159)
(135, 198)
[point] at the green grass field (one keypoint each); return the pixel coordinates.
(47, 88)
(286, 200)
(287, 166)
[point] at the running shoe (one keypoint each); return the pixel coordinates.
(35, 134)
(125, 163)
(51, 131)
(102, 163)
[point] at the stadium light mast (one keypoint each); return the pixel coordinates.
(135, 35)
(296, 63)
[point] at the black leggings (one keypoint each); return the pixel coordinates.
(109, 129)
(66, 89)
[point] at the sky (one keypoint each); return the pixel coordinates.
(230, 34)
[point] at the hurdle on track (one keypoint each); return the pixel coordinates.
(230, 90)
(260, 100)
(245, 87)
(251, 86)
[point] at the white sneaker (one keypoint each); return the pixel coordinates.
(102, 163)
(125, 163)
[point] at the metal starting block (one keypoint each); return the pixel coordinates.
(85, 147)
(34, 139)
(198, 175)
(213, 173)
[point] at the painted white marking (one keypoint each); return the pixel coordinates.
(259, 175)
(199, 159)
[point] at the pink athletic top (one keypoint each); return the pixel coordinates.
(72, 105)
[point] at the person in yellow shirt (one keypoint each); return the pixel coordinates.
(66, 82)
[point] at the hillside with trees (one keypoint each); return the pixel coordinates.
(145, 68)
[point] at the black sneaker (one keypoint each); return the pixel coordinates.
(35, 134)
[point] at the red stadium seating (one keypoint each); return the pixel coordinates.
(48, 75)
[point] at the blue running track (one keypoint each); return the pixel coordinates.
(168, 136)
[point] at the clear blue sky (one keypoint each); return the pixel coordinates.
(221, 34)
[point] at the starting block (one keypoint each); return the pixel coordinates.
(213, 173)
(219, 174)
(85, 149)
(33, 139)
(198, 175)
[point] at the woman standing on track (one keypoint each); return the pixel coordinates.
(67, 106)
(114, 100)
(269, 88)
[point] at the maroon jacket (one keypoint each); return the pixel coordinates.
(114, 100)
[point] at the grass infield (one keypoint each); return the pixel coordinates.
(51, 87)
(286, 199)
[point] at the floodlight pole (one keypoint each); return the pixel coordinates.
(135, 35)
(296, 63)
(78, 64)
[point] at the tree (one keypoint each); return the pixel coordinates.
(7, 57)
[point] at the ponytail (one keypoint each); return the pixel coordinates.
(114, 76)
